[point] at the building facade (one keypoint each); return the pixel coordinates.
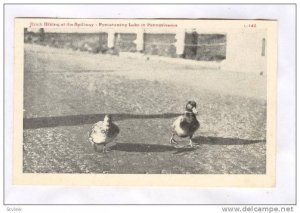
(235, 50)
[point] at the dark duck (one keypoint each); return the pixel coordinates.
(187, 124)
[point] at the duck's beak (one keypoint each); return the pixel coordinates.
(195, 111)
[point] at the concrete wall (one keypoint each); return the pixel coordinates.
(244, 51)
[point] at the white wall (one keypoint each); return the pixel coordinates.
(244, 51)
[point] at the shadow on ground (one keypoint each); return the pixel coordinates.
(198, 141)
(223, 141)
(138, 147)
(73, 120)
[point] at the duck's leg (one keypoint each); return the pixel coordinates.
(172, 141)
(106, 149)
(191, 142)
(111, 144)
(95, 147)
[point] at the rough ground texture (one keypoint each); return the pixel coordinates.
(66, 92)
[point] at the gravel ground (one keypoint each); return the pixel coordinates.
(66, 92)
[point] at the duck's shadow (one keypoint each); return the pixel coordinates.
(198, 140)
(139, 147)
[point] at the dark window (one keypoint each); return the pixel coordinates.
(125, 42)
(160, 44)
(263, 47)
(205, 47)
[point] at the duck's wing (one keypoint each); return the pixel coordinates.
(184, 124)
(195, 124)
(97, 133)
(94, 127)
(177, 122)
(113, 131)
(91, 134)
(189, 126)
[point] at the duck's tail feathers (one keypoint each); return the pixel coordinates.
(90, 138)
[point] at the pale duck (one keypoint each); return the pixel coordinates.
(103, 133)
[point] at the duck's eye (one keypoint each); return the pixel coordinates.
(192, 104)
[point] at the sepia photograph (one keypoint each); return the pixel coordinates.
(149, 105)
(145, 96)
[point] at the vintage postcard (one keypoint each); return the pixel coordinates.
(145, 102)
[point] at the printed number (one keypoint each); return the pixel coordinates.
(250, 25)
